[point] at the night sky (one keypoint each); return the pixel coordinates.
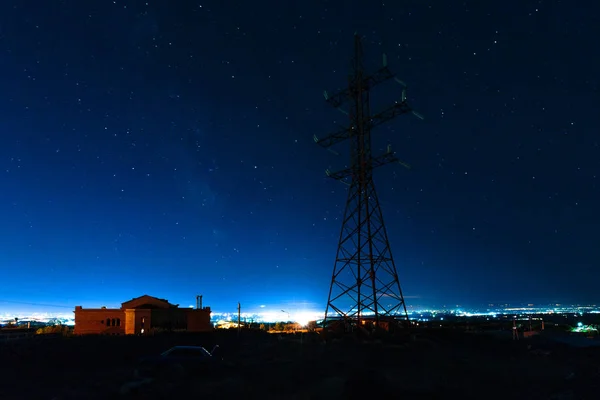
(167, 148)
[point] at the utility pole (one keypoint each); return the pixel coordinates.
(364, 280)
(239, 318)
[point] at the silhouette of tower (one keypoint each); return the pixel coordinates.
(365, 283)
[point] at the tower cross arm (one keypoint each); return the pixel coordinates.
(379, 161)
(390, 113)
(334, 138)
(380, 76)
(383, 159)
(340, 175)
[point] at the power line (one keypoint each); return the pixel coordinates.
(34, 304)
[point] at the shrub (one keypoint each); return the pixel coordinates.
(54, 329)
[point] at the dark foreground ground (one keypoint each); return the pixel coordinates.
(432, 365)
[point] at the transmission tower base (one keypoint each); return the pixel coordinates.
(368, 329)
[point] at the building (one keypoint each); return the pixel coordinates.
(139, 316)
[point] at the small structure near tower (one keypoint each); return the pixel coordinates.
(139, 316)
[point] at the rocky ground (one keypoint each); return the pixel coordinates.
(430, 365)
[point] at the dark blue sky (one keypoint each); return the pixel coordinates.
(166, 148)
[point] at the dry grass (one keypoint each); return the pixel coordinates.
(438, 364)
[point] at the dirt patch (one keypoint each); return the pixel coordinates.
(433, 365)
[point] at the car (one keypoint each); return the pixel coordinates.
(179, 361)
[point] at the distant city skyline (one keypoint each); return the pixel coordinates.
(304, 317)
(29, 308)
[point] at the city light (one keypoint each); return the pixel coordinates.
(303, 317)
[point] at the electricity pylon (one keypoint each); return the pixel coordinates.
(365, 283)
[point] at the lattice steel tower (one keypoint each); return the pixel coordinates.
(365, 282)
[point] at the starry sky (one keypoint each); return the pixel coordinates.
(167, 148)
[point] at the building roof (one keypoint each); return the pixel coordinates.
(146, 299)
